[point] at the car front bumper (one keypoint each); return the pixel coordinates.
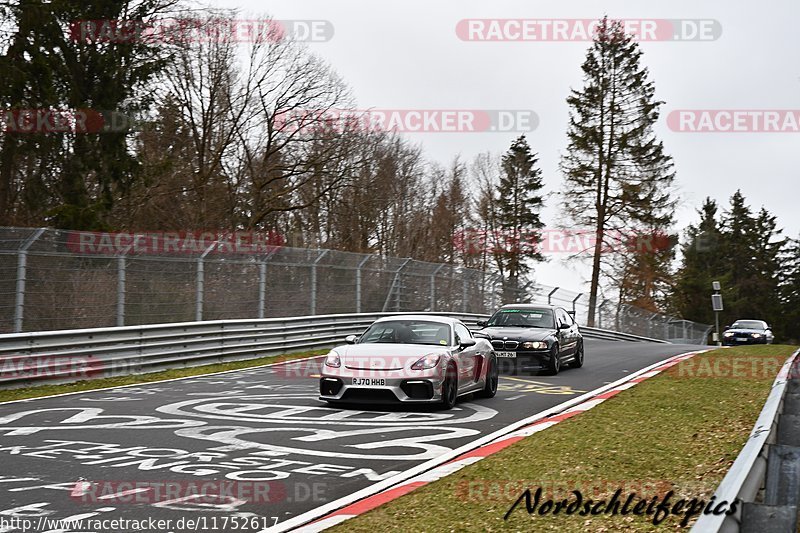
(741, 341)
(525, 361)
(360, 386)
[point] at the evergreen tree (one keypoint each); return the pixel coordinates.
(617, 176)
(56, 62)
(645, 270)
(788, 327)
(752, 246)
(743, 252)
(703, 262)
(519, 202)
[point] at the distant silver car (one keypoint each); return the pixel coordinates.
(410, 359)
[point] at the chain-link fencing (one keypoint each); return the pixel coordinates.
(53, 279)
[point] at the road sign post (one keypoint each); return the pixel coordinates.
(716, 305)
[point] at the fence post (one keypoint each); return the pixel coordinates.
(358, 282)
(464, 289)
(574, 315)
(201, 279)
(262, 288)
(495, 287)
(22, 267)
(314, 282)
(433, 287)
(121, 290)
(549, 296)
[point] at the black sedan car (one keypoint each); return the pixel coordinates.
(528, 337)
(747, 332)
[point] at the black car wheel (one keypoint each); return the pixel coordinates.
(449, 389)
(555, 361)
(490, 389)
(578, 361)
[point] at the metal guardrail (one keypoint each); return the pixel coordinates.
(756, 469)
(73, 355)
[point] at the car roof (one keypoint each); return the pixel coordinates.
(429, 318)
(530, 306)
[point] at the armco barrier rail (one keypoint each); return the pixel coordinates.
(73, 355)
(761, 471)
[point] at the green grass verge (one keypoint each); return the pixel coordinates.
(101, 383)
(680, 430)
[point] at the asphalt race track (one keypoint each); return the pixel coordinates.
(258, 440)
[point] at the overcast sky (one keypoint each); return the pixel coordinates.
(407, 55)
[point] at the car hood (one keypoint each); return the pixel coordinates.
(518, 334)
(384, 356)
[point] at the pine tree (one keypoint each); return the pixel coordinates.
(788, 326)
(752, 246)
(702, 263)
(53, 64)
(617, 176)
(519, 202)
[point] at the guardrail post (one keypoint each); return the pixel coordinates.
(358, 282)
(262, 288)
(314, 282)
(201, 279)
(121, 290)
(22, 269)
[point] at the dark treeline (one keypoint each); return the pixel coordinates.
(237, 136)
(758, 268)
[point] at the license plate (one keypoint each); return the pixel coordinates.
(370, 382)
(741, 339)
(506, 354)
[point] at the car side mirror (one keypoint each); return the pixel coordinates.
(482, 323)
(563, 326)
(726, 328)
(466, 343)
(351, 339)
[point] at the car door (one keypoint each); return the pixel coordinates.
(466, 357)
(566, 339)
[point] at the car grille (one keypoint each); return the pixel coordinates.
(505, 345)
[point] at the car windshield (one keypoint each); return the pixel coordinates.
(407, 332)
(525, 318)
(748, 324)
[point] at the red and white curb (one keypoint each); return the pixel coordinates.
(546, 420)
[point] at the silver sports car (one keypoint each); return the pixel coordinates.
(410, 358)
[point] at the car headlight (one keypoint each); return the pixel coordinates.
(333, 359)
(428, 361)
(756, 335)
(728, 334)
(539, 345)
